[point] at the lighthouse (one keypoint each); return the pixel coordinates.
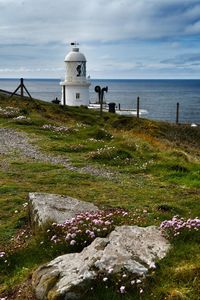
(75, 87)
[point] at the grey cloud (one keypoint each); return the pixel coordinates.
(35, 33)
(42, 20)
(191, 59)
(193, 28)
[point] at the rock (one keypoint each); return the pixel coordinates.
(132, 249)
(45, 207)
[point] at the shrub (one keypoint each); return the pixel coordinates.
(101, 134)
(111, 155)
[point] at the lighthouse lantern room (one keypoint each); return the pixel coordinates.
(75, 87)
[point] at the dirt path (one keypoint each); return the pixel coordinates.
(12, 141)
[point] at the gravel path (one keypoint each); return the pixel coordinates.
(14, 141)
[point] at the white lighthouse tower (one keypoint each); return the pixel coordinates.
(75, 88)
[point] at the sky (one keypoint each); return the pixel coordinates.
(122, 39)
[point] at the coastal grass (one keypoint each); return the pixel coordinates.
(155, 175)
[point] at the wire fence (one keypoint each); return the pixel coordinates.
(176, 113)
(179, 105)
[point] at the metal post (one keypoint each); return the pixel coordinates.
(101, 102)
(22, 87)
(64, 96)
(104, 89)
(119, 106)
(138, 107)
(177, 112)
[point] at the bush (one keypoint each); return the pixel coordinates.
(100, 134)
(111, 155)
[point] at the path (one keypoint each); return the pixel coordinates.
(12, 140)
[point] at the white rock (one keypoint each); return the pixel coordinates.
(45, 207)
(132, 249)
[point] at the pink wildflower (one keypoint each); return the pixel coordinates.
(2, 254)
(105, 279)
(73, 242)
(122, 289)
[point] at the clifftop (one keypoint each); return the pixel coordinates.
(149, 168)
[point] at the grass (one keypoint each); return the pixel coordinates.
(155, 168)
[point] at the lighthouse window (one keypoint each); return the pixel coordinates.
(81, 69)
(78, 70)
(77, 95)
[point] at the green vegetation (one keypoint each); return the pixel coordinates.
(155, 174)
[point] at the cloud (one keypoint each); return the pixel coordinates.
(42, 20)
(189, 58)
(125, 35)
(193, 28)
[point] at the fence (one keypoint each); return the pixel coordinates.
(176, 107)
(178, 113)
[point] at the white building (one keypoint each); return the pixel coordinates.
(75, 87)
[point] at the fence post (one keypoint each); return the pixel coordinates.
(22, 87)
(138, 107)
(64, 95)
(177, 112)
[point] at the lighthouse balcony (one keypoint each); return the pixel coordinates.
(71, 80)
(76, 79)
(79, 82)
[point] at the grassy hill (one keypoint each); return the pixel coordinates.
(153, 171)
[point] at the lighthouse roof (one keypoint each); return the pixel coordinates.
(75, 55)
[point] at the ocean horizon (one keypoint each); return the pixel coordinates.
(158, 97)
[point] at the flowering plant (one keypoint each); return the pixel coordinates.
(3, 261)
(2, 254)
(21, 118)
(179, 226)
(123, 282)
(111, 155)
(81, 230)
(57, 128)
(9, 111)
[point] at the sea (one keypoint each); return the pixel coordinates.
(158, 98)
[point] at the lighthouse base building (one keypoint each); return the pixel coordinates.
(75, 87)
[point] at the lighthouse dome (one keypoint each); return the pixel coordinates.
(74, 56)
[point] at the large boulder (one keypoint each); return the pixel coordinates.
(130, 249)
(45, 207)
